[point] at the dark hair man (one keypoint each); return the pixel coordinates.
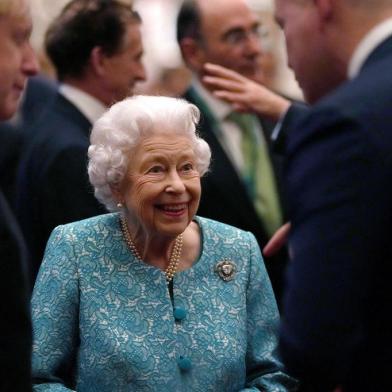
(96, 48)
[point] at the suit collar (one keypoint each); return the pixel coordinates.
(68, 112)
(91, 108)
(370, 44)
(220, 108)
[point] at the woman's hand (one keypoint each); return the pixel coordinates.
(277, 241)
(244, 94)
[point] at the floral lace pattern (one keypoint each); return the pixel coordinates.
(97, 306)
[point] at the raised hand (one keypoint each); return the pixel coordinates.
(277, 241)
(244, 94)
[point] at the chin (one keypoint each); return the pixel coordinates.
(173, 229)
(8, 111)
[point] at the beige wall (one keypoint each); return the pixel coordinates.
(283, 77)
(162, 56)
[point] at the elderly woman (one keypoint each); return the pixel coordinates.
(152, 297)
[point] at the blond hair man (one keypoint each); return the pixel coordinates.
(17, 63)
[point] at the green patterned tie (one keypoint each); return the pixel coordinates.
(257, 172)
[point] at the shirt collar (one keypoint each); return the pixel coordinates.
(220, 108)
(86, 103)
(366, 46)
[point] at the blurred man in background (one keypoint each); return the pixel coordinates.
(336, 329)
(17, 63)
(96, 49)
(243, 187)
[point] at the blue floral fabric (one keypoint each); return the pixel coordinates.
(96, 306)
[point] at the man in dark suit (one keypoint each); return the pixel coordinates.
(38, 94)
(94, 72)
(226, 32)
(336, 329)
(17, 63)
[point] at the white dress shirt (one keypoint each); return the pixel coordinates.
(372, 39)
(91, 107)
(230, 135)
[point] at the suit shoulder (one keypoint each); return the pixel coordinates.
(62, 122)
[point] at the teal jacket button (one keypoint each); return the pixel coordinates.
(184, 363)
(179, 313)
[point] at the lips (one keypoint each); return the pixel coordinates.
(173, 209)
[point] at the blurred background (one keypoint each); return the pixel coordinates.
(166, 73)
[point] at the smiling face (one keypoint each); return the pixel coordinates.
(17, 60)
(161, 190)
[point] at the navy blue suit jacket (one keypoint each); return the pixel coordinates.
(15, 325)
(224, 195)
(53, 185)
(39, 93)
(336, 327)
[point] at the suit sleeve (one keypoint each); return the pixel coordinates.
(334, 179)
(264, 370)
(55, 309)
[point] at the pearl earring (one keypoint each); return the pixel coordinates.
(119, 205)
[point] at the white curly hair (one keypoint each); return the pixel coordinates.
(122, 128)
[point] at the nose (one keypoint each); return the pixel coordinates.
(29, 63)
(253, 45)
(140, 74)
(175, 183)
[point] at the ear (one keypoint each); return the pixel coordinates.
(193, 53)
(117, 194)
(98, 60)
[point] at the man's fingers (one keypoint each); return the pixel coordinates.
(222, 83)
(277, 241)
(222, 72)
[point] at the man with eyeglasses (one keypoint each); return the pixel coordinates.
(243, 187)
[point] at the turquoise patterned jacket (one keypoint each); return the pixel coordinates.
(97, 307)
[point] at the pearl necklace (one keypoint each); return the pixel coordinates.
(174, 258)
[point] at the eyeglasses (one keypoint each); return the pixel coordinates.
(240, 36)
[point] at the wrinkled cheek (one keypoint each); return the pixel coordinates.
(194, 187)
(136, 200)
(193, 210)
(143, 207)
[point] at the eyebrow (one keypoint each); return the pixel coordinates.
(163, 157)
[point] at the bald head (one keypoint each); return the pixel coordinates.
(229, 12)
(369, 3)
(210, 8)
(321, 38)
(225, 32)
(9, 7)
(5, 6)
